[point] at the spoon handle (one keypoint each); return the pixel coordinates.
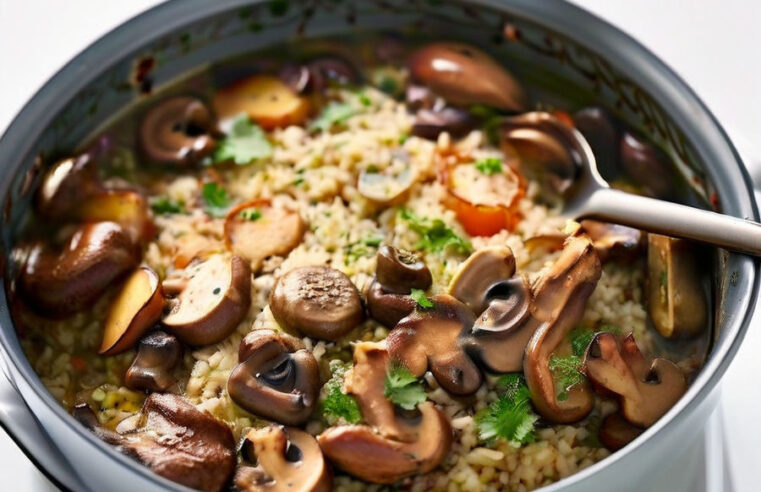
(672, 219)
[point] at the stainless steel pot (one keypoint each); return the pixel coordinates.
(549, 41)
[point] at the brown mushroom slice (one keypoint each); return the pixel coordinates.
(675, 298)
(287, 460)
(175, 440)
(560, 298)
(399, 270)
(177, 131)
(614, 242)
(151, 370)
(125, 207)
(429, 339)
(275, 378)
(265, 99)
(479, 273)
(211, 299)
(61, 280)
(387, 308)
(646, 389)
(465, 75)
(256, 230)
(431, 122)
(388, 186)
(135, 310)
(366, 381)
(616, 432)
(549, 242)
(65, 185)
(316, 301)
(359, 451)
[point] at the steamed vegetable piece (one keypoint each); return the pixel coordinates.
(265, 99)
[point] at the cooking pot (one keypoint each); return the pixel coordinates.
(550, 43)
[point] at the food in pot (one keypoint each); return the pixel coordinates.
(357, 270)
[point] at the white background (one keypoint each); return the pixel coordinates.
(714, 44)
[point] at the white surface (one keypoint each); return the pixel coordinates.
(713, 44)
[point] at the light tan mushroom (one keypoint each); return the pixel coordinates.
(212, 297)
(287, 460)
(151, 370)
(125, 207)
(675, 297)
(646, 389)
(386, 187)
(265, 99)
(479, 273)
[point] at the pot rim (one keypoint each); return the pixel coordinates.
(564, 18)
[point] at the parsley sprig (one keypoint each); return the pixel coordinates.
(335, 113)
(245, 143)
(402, 388)
(419, 296)
(435, 236)
(338, 405)
(216, 199)
(164, 205)
(510, 417)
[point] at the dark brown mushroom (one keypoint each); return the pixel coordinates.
(616, 432)
(429, 339)
(358, 450)
(614, 242)
(601, 132)
(151, 370)
(61, 279)
(399, 270)
(560, 298)
(465, 75)
(646, 389)
(387, 308)
(178, 131)
(475, 277)
(276, 377)
(420, 97)
(647, 166)
(316, 301)
(65, 185)
(430, 123)
(286, 460)
(318, 74)
(675, 297)
(176, 441)
(211, 298)
(133, 312)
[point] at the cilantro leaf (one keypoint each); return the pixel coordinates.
(418, 296)
(580, 338)
(334, 113)
(510, 417)
(251, 214)
(216, 198)
(245, 143)
(435, 236)
(567, 372)
(164, 205)
(402, 388)
(489, 166)
(337, 404)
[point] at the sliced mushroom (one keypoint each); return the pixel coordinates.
(546, 147)
(125, 207)
(646, 389)
(63, 279)
(176, 441)
(601, 132)
(369, 456)
(399, 270)
(430, 123)
(157, 355)
(388, 186)
(275, 378)
(429, 339)
(134, 311)
(256, 230)
(647, 166)
(287, 460)
(560, 298)
(464, 75)
(65, 185)
(366, 381)
(316, 301)
(266, 99)
(318, 74)
(614, 242)
(178, 131)
(476, 276)
(675, 298)
(387, 308)
(616, 432)
(211, 299)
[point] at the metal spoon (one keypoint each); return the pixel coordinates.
(591, 197)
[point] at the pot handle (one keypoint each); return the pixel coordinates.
(18, 420)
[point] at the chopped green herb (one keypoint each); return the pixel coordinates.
(566, 372)
(403, 138)
(402, 388)
(334, 113)
(216, 291)
(298, 181)
(337, 404)
(435, 236)
(245, 143)
(388, 84)
(365, 100)
(164, 205)
(611, 328)
(216, 198)
(251, 214)
(361, 248)
(418, 296)
(373, 241)
(489, 166)
(580, 338)
(510, 417)
(664, 278)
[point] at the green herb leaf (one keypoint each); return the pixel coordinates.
(580, 338)
(510, 417)
(365, 99)
(402, 388)
(164, 205)
(251, 214)
(489, 166)
(435, 235)
(373, 241)
(334, 113)
(245, 143)
(216, 198)
(566, 371)
(337, 404)
(418, 296)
